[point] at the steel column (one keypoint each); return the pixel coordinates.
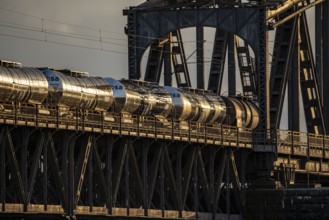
(71, 196)
(154, 62)
(200, 56)
(228, 182)
(127, 178)
(90, 180)
(34, 167)
(319, 46)
(325, 57)
(23, 167)
(231, 65)
(45, 174)
(218, 61)
(4, 130)
(145, 177)
(109, 149)
(153, 174)
(262, 71)
(195, 183)
(167, 65)
(294, 91)
(178, 170)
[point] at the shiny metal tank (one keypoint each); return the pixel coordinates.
(185, 104)
(252, 118)
(143, 98)
(241, 113)
(23, 85)
(235, 113)
(38, 85)
(197, 105)
(104, 93)
(218, 108)
(205, 107)
(157, 99)
(127, 97)
(91, 93)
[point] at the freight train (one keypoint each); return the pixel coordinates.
(67, 89)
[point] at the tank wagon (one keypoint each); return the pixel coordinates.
(66, 89)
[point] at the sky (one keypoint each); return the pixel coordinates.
(52, 27)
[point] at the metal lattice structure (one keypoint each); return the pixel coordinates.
(85, 165)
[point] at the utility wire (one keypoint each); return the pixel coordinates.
(80, 26)
(54, 21)
(65, 44)
(93, 38)
(63, 34)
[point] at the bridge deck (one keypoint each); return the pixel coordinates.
(287, 142)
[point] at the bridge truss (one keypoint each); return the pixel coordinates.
(241, 40)
(84, 165)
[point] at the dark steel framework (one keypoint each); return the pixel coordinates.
(78, 174)
(157, 24)
(293, 46)
(292, 62)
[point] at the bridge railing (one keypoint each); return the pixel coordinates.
(326, 146)
(287, 142)
(316, 145)
(284, 141)
(300, 144)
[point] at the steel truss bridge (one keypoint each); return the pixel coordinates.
(85, 164)
(80, 165)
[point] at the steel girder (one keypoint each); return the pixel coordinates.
(71, 174)
(231, 65)
(146, 26)
(301, 71)
(200, 57)
(315, 119)
(284, 45)
(247, 70)
(179, 59)
(262, 71)
(154, 62)
(218, 62)
(325, 58)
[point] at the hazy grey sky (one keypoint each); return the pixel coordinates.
(104, 15)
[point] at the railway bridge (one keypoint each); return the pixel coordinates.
(85, 164)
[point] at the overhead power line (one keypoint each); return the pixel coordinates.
(59, 43)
